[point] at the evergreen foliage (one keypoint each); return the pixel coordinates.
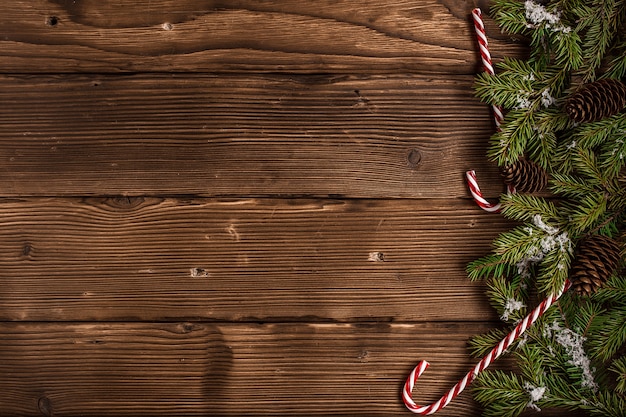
(574, 356)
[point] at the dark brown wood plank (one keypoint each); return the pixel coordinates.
(203, 369)
(256, 259)
(293, 36)
(381, 137)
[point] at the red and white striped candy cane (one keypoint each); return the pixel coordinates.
(480, 366)
(478, 195)
(498, 115)
(485, 56)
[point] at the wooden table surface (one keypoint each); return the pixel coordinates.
(240, 207)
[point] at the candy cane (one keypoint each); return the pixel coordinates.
(480, 366)
(485, 56)
(478, 195)
(498, 116)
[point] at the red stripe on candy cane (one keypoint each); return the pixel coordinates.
(480, 366)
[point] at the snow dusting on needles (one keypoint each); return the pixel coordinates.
(537, 15)
(512, 305)
(535, 393)
(552, 239)
(546, 99)
(523, 101)
(573, 344)
(538, 221)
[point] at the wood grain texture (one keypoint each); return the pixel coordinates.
(268, 260)
(379, 136)
(247, 207)
(433, 36)
(131, 369)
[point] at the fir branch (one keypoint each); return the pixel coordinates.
(568, 51)
(606, 404)
(554, 78)
(488, 266)
(613, 291)
(509, 144)
(502, 394)
(508, 89)
(587, 211)
(581, 313)
(517, 68)
(613, 157)
(585, 162)
(531, 363)
(552, 119)
(539, 370)
(600, 33)
(609, 224)
(563, 157)
(617, 66)
(591, 135)
(568, 348)
(611, 335)
(619, 367)
(482, 344)
(524, 207)
(570, 41)
(517, 244)
(505, 295)
(572, 186)
(509, 14)
(541, 147)
(553, 270)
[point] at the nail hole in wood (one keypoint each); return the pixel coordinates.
(27, 249)
(376, 257)
(52, 21)
(199, 273)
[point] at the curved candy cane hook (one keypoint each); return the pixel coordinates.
(480, 366)
(474, 189)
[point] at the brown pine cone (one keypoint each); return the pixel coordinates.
(596, 260)
(596, 101)
(525, 175)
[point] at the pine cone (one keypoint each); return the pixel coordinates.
(525, 175)
(596, 260)
(596, 101)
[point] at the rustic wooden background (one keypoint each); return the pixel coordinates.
(239, 207)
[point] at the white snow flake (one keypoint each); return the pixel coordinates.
(538, 221)
(546, 99)
(535, 394)
(511, 306)
(537, 15)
